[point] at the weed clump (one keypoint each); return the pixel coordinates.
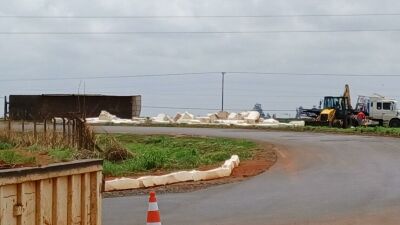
(112, 150)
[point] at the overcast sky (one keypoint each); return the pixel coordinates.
(27, 56)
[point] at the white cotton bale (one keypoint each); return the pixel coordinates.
(171, 179)
(270, 121)
(251, 122)
(233, 116)
(244, 124)
(203, 119)
(92, 120)
(267, 125)
(253, 115)
(229, 164)
(187, 116)
(59, 120)
(161, 118)
(194, 121)
(161, 180)
(199, 175)
(210, 174)
(177, 117)
(298, 123)
(147, 181)
(222, 115)
(121, 184)
(138, 120)
(213, 117)
(244, 114)
(224, 172)
(235, 159)
(182, 176)
(106, 116)
(217, 173)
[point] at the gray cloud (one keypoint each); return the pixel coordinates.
(41, 56)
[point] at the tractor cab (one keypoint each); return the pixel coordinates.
(336, 109)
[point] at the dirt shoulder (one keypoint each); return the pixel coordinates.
(264, 158)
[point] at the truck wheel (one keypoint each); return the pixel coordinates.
(355, 123)
(347, 122)
(394, 123)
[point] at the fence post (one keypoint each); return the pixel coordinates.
(9, 128)
(23, 122)
(45, 126)
(73, 132)
(69, 130)
(34, 130)
(54, 131)
(63, 119)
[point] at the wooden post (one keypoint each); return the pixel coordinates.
(45, 126)
(34, 130)
(63, 119)
(69, 130)
(54, 139)
(54, 125)
(9, 128)
(23, 125)
(73, 132)
(80, 134)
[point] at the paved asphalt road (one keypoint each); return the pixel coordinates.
(318, 179)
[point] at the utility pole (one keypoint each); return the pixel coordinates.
(223, 86)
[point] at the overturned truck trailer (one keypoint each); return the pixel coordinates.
(36, 107)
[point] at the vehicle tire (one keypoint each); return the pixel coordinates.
(394, 123)
(355, 122)
(347, 122)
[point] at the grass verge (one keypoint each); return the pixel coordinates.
(14, 158)
(378, 131)
(371, 131)
(168, 153)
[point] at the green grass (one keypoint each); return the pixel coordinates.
(61, 154)
(13, 157)
(380, 131)
(376, 131)
(168, 153)
(5, 145)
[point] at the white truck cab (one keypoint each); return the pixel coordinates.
(381, 109)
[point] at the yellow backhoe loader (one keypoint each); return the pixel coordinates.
(337, 111)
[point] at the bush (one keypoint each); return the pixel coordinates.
(112, 150)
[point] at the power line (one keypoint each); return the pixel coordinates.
(198, 16)
(315, 74)
(198, 32)
(108, 77)
(65, 77)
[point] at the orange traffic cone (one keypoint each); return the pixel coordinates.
(153, 214)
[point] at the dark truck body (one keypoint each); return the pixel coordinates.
(36, 107)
